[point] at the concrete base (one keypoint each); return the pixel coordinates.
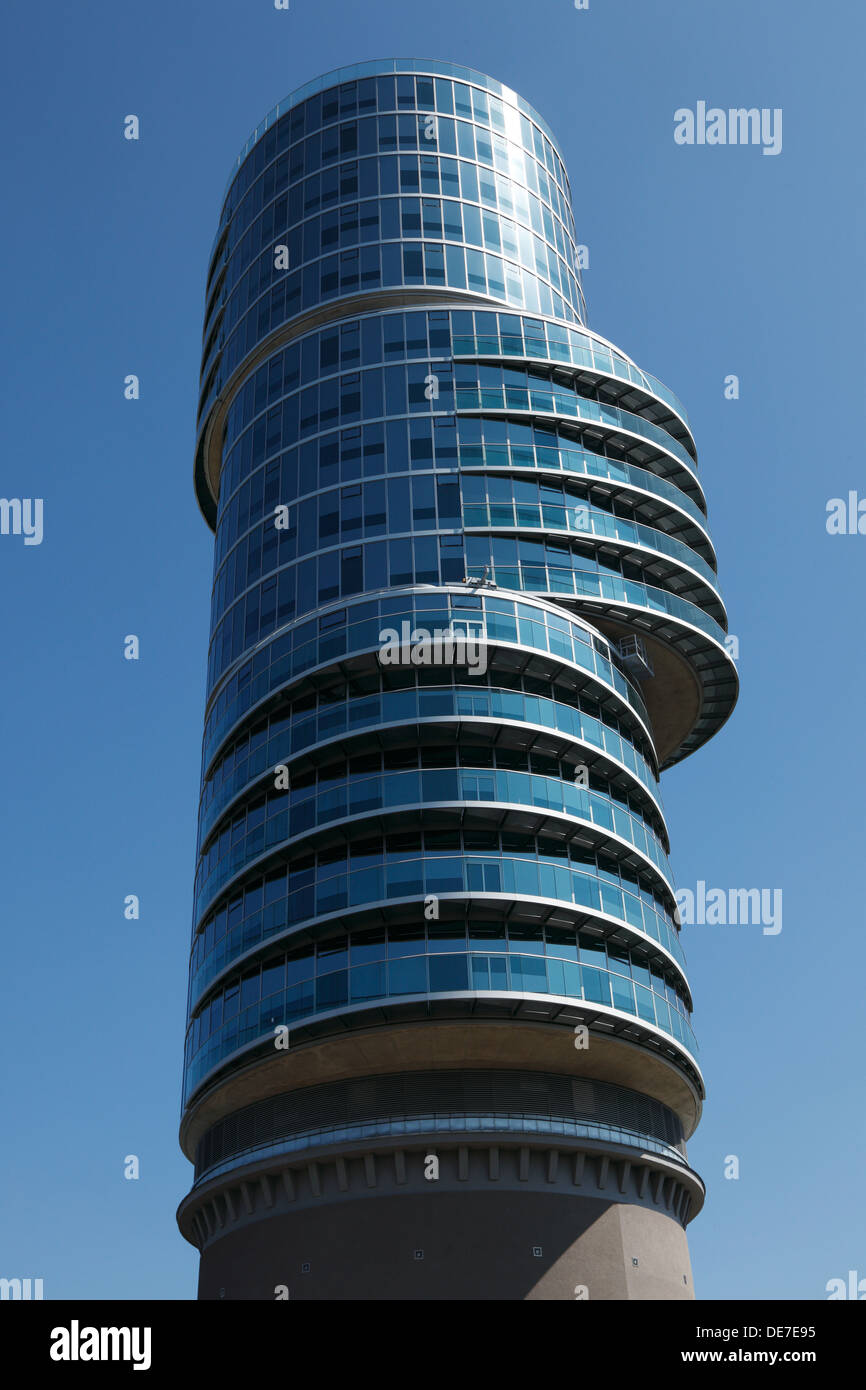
(498, 1224)
(458, 1246)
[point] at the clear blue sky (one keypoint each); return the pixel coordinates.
(704, 261)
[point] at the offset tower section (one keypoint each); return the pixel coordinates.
(439, 1040)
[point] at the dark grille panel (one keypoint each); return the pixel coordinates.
(384, 1097)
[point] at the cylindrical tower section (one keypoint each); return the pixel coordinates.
(465, 609)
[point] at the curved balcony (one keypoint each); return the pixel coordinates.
(594, 361)
(482, 875)
(284, 819)
(506, 890)
(452, 716)
(514, 628)
(542, 400)
(654, 502)
(626, 539)
(547, 986)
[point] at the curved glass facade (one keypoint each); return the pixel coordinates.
(463, 584)
(466, 1102)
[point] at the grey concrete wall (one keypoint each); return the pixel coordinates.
(475, 1246)
(498, 1224)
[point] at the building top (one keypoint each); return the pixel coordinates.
(379, 67)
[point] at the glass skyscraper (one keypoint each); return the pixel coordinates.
(465, 609)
